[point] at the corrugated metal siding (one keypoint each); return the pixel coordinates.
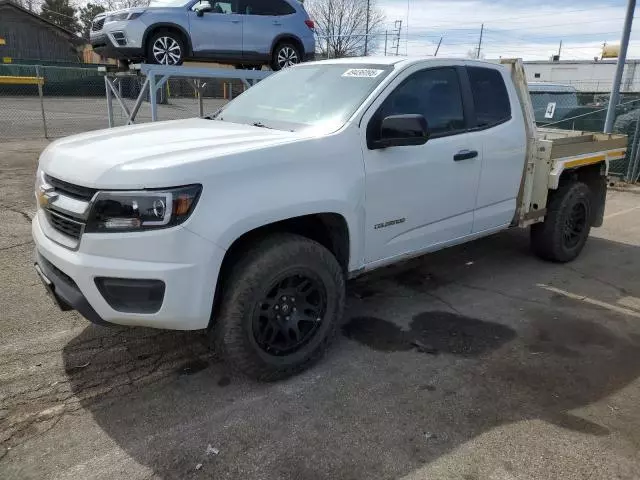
(29, 39)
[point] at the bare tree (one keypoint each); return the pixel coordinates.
(342, 26)
(31, 5)
(111, 5)
(473, 53)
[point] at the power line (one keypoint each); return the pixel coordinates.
(524, 17)
(502, 32)
(57, 13)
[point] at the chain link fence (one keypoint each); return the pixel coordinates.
(55, 101)
(177, 99)
(566, 108)
(50, 101)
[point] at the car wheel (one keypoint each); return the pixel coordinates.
(564, 232)
(281, 307)
(166, 48)
(285, 55)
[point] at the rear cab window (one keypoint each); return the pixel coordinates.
(490, 97)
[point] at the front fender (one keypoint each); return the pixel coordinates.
(181, 25)
(265, 186)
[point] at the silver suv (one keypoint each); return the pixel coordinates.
(247, 33)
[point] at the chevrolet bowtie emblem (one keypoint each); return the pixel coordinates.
(46, 195)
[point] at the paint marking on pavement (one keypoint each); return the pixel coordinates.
(592, 301)
(622, 212)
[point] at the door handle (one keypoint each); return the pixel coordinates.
(465, 155)
(235, 21)
(277, 23)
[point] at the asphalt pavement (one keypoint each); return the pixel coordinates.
(478, 362)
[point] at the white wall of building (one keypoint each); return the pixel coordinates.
(586, 76)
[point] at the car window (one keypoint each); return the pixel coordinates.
(267, 7)
(433, 93)
(216, 7)
(490, 96)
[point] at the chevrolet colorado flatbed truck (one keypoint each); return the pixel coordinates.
(249, 222)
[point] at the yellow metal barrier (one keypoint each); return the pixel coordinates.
(37, 80)
(8, 80)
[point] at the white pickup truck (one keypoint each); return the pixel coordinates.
(249, 222)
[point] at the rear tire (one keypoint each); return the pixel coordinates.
(166, 48)
(281, 308)
(564, 232)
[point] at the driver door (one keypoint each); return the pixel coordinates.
(421, 197)
(218, 31)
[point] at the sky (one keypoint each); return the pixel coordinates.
(517, 28)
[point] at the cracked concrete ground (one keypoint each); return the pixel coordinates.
(479, 362)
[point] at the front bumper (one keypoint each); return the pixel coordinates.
(103, 45)
(186, 263)
(105, 41)
(64, 291)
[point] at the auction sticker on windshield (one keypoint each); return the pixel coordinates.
(362, 72)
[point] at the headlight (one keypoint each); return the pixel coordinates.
(117, 17)
(143, 210)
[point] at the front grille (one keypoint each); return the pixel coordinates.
(70, 190)
(64, 224)
(96, 26)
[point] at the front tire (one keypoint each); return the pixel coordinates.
(281, 308)
(564, 232)
(166, 48)
(285, 55)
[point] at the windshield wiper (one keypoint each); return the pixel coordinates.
(261, 125)
(214, 115)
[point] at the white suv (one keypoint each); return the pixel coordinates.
(278, 33)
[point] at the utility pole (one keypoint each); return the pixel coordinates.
(328, 29)
(438, 47)
(480, 42)
(366, 32)
(622, 59)
(386, 38)
(398, 26)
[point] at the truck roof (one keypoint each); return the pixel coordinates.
(405, 61)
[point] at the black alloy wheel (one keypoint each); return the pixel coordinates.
(575, 224)
(290, 313)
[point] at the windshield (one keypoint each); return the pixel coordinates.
(168, 3)
(320, 96)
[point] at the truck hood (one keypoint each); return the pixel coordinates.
(149, 155)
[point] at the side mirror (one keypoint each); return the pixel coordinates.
(200, 12)
(402, 130)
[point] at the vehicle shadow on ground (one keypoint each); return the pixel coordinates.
(396, 393)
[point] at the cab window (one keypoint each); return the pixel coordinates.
(434, 93)
(490, 96)
(213, 6)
